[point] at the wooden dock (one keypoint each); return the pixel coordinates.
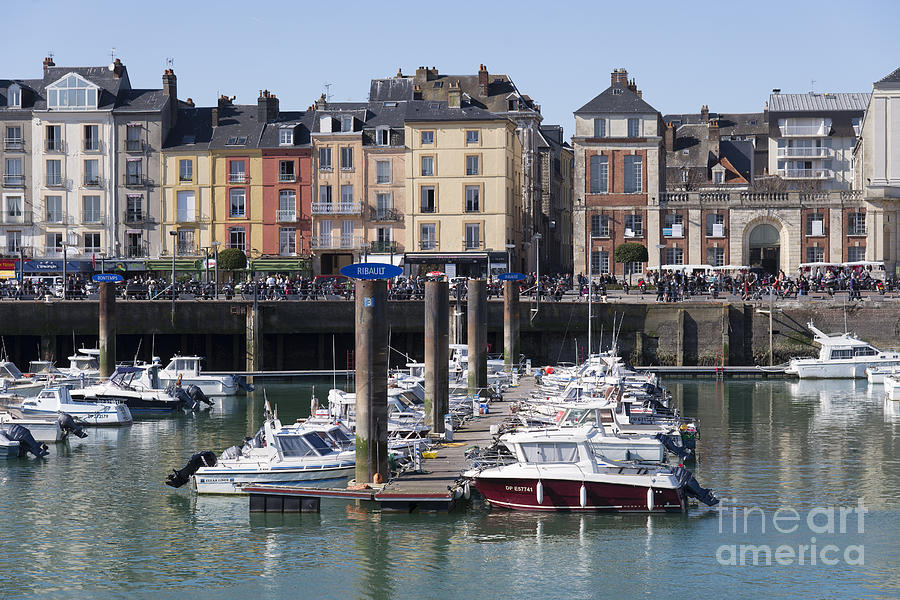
(435, 488)
(727, 372)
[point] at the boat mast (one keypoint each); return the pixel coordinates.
(590, 305)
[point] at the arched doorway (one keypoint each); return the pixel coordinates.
(765, 247)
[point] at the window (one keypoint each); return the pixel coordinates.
(715, 225)
(715, 257)
(13, 141)
(53, 138)
(324, 240)
(286, 171)
(473, 236)
(633, 175)
(346, 159)
(237, 238)
(427, 137)
(325, 194)
(90, 209)
(634, 127)
(382, 171)
(91, 243)
(383, 136)
(54, 209)
(14, 206)
(599, 262)
(134, 245)
(472, 136)
(472, 165)
(346, 124)
(718, 177)
(184, 200)
(238, 202)
(346, 197)
(599, 174)
(815, 224)
(856, 253)
(287, 241)
(54, 242)
(92, 172)
(185, 170)
(287, 205)
(72, 93)
(856, 223)
(599, 128)
(133, 141)
(236, 141)
(383, 206)
(134, 172)
(555, 452)
(427, 166)
(14, 96)
(815, 254)
(91, 138)
(347, 234)
(186, 242)
(634, 267)
(54, 172)
(428, 198)
(473, 198)
(427, 236)
(674, 256)
(134, 210)
(237, 172)
(674, 223)
(634, 225)
(13, 242)
(13, 175)
(286, 137)
(325, 159)
(599, 226)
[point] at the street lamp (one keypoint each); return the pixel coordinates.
(509, 249)
(216, 246)
(537, 255)
(65, 271)
(173, 233)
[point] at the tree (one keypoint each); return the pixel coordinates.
(631, 252)
(232, 259)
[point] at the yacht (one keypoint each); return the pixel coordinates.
(185, 371)
(557, 470)
(55, 400)
(841, 356)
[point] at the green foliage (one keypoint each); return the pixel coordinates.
(631, 252)
(232, 259)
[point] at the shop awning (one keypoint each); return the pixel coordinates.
(385, 258)
(280, 264)
(439, 258)
(181, 264)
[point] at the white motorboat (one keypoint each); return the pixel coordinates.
(405, 411)
(876, 375)
(84, 364)
(841, 356)
(45, 429)
(302, 452)
(56, 400)
(892, 386)
(13, 381)
(124, 386)
(186, 370)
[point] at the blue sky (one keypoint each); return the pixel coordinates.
(682, 54)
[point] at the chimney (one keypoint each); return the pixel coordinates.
(215, 116)
(632, 86)
(483, 80)
(190, 102)
(118, 68)
(704, 113)
(48, 62)
(714, 137)
(266, 107)
(417, 92)
(453, 95)
(618, 76)
(669, 137)
(170, 91)
(399, 72)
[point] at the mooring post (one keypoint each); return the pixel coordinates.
(477, 337)
(107, 329)
(254, 339)
(437, 350)
(371, 381)
(510, 324)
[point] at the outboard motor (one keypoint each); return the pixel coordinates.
(197, 396)
(231, 453)
(27, 443)
(668, 444)
(241, 382)
(693, 489)
(180, 394)
(178, 478)
(68, 424)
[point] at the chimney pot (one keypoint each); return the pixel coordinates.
(483, 78)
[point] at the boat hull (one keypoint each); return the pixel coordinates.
(892, 387)
(134, 403)
(216, 480)
(9, 449)
(813, 369)
(209, 385)
(43, 431)
(565, 495)
(113, 417)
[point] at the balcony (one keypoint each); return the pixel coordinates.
(56, 218)
(800, 152)
(472, 244)
(13, 181)
(55, 181)
(386, 214)
(91, 145)
(238, 178)
(188, 249)
(286, 215)
(330, 242)
(134, 146)
(135, 181)
(53, 145)
(383, 247)
(15, 218)
(287, 178)
(806, 173)
(428, 245)
(91, 218)
(336, 208)
(820, 130)
(134, 217)
(188, 218)
(14, 145)
(137, 251)
(92, 181)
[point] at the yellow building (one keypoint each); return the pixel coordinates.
(463, 196)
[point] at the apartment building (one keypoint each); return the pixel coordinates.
(17, 98)
(384, 148)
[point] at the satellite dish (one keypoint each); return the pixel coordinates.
(112, 66)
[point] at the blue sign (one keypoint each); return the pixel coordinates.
(107, 278)
(667, 232)
(511, 276)
(371, 271)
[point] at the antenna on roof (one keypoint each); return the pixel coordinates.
(170, 62)
(327, 87)
(112, 54)
(812, 86)
(50, 54)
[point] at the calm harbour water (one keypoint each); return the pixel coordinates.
(94, 519)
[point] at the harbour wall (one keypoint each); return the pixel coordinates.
(320, 334)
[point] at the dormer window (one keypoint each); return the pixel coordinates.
(346, 124)
(617, 91)
(383, 136)
(14, 96)
(72, 92)
(286, 137)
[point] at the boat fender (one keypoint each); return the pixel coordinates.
(539, 490)
(582, 496)
(457, 493)
(178, 478)
(68, 424)
(178, 380)
(650, 499)
(27, 443)
(376, 479)
(467, 491)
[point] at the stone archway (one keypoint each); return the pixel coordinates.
(765, 244)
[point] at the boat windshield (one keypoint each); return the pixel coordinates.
(10, 371)
(293, 445)
(550, 452)
(577, 416)
(841, 353)
(865, 351)
(319, 441)
(340, 437)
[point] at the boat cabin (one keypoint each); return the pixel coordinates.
(10, 372)
(293, 444)
(554, 447)
(186, 365)
(85, 360)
